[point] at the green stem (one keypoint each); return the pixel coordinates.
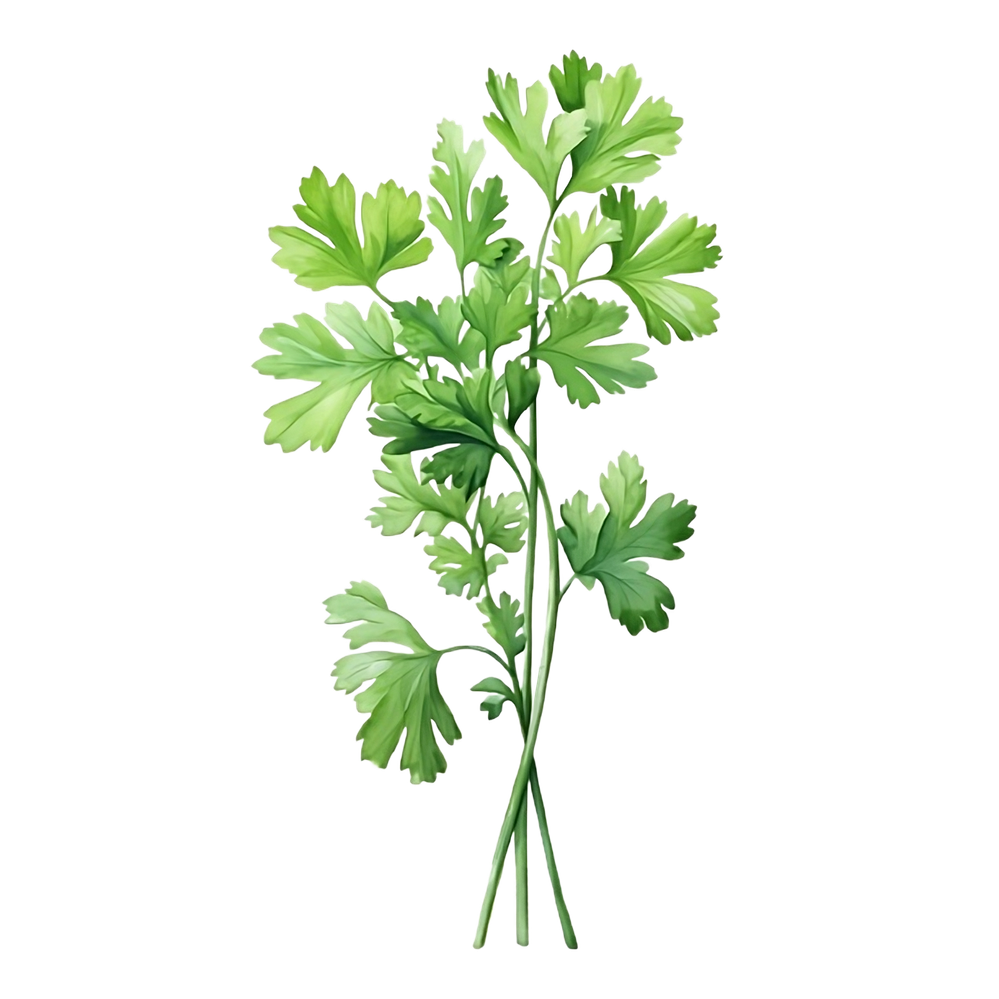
(534, 719)
(492, 655)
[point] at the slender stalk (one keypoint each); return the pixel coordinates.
(520, 862)
(534, 720)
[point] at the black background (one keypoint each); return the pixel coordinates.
(641, 750)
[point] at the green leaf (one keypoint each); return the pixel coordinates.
(604, 156)
(575, 244)
(497, 305)
(390, 221)
(683, 248)
(550, 288)
(504, 624)
(634, 597)
(467, 466)
(503, 521)
(573, 325)
(428, 333)
(466, 234)
(521, 386)
(439, 412)
(310, 352)
(439, 506)
(570, 84)
(499, 693)
(520, 131)
(404, 695)
(493, 705)
(459, 567)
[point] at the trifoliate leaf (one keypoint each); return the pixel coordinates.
(573, 325)
(439, 412)
(603, 157)
(570, 83)
(683, 248)
(634, 598)
(499, 694)
(390, 221)
(310, 352)
(520, 131)
(503, 521)
(496, 314)
(438, 506)
(466, 234)
(428, 333)
(504, 624)
(575, 244)
(460, 567)
(404, 695)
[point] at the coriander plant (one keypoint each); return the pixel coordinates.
(472, 420)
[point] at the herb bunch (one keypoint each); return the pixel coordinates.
(470, 416)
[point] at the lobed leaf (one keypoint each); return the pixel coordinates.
(403, 695)
(390, 222)
(310, 352)
(607, 547)
(684, 247)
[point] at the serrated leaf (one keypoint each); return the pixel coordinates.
(634, 597)
(404, 695)
(428, 332)
(573, 325)
(570, 82)
(520, 130)
(504, 625)
(439, 412)
(458, 567)
(436, 507)
(503, 521)
(390, 222)
(683, 248)
(576, 245)
(497, 305)
(310, 352)
(467, 466)
(466, 234)
(607, 155)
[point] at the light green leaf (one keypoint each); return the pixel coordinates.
(504, 624)
(683, 248)
(390, 222)
(438, 506)
(634, 597)
(570, 83)
(466, 234)
(310, 352)
(503, 521)
(404, 695)
(575, 244)
(428, 333)
(605, 157)
(497, 305)
(579, 536)
(550, 288)
(521, 134)
(459, 567)
(573, 325)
